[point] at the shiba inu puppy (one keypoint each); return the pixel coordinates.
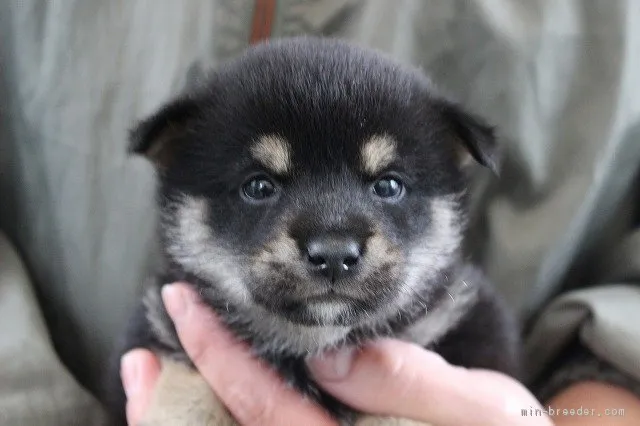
(314, 192)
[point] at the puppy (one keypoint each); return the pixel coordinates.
(314, 192)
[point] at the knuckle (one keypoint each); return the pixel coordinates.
(390, 363)
(197, 350)
(397, 372)
(196, 343)
(250, 409)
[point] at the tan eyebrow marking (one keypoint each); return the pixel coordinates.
(274, 153)
(378, 153)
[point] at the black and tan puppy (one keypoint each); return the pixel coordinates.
(314, 192)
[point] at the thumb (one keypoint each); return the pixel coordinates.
(400, 379)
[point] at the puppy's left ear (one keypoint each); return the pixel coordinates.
(475, 138)
(159, 136)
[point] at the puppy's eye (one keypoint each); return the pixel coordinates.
(388, 187)
(258, 188)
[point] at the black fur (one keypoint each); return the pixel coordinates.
(325, 99)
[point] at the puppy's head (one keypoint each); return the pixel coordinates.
(315, 182)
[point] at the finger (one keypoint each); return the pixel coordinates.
(251, 391)
(139, 371)
(400, 379)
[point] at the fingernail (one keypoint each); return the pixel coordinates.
(174, 300)
(332, 366)
(130, 374)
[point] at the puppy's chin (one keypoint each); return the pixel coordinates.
(321, 312)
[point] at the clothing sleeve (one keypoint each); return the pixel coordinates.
(589, 334)
(35, 388)
(578, 363)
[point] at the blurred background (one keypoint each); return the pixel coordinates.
(559, 79)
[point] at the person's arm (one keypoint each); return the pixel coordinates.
(35, 387)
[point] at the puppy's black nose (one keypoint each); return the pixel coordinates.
(333, 256)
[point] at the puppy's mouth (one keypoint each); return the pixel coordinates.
(329, 296)
(312, 301)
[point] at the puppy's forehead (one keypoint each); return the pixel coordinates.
(374, 153)
(307, 106)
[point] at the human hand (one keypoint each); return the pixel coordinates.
(250, 390)
(387, 378)
(402, 380)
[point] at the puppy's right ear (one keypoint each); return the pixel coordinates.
(160, 135)
(475, 139)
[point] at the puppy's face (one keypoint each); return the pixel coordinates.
(314, 181)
